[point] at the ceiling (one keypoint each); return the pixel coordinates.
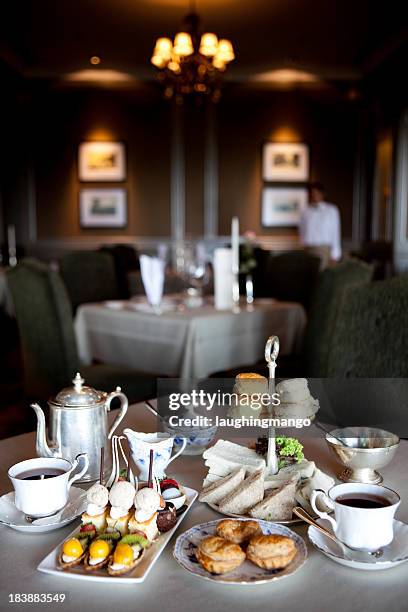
(333, 39)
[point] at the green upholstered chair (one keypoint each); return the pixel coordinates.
(289, 277)
(321, 324)
(371, 334)
(324, 311)
(49, 349)
(89, 276)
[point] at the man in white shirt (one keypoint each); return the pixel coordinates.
(320, 223)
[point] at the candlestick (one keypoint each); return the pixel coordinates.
(235, 259)
(11, 240)
(271, 353)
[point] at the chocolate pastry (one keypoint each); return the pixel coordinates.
(166, 518)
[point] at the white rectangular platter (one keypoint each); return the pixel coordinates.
(49, 565)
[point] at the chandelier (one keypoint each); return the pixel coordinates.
(194, 63)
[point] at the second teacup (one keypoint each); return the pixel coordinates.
(363, 513)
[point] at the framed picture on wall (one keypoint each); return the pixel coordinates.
(281, 206)
(102, 161)
(285, 161)
(102, 208)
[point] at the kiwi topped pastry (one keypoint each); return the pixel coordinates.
(128, 553)
(100, 550)
(74, 550)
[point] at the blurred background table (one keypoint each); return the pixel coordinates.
(201, 341)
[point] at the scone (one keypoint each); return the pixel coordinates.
(219, 556)
(238, 532)
(271, 551)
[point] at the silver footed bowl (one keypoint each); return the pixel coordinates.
(365, 450)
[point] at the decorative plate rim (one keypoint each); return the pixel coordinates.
(299, 541)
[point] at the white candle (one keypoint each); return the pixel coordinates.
(11, 240)
(235, 244)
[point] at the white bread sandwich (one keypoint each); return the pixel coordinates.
(278, 504)
(246, 495)
(302, 470)
(222, 487)
(319, 480)
(224, 457)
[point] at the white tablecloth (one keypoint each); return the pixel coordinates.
(188, 344)
(319, 586)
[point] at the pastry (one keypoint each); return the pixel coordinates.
(74, 550)
(121, 498)
(278, 504)
(97, 507)
(222, 487)
(295, 400)
(147, 503)
(271, 551)
(238, 532)
(166, 518)
(128, 553)
(249, 387)
(219, 556)
(100, 550)
(246, 495)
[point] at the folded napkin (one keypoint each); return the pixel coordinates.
(152, 271)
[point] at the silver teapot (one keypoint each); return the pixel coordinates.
(79, 424)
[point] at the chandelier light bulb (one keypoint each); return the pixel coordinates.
(225, 50)
(183, 44)
(163, 48)
(208, 44)
(158, 61)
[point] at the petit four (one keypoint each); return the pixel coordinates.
(97, 508)
(128, 553)
(172, 492)
(246, 386)
(147, 503)
(121, 498)
(74, 550)
(271, 551)
(100, 550)
(219, 556)
(166, 518)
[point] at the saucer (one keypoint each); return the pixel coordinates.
(14, 518)
(394, 554)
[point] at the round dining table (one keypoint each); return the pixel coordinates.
(320, 585)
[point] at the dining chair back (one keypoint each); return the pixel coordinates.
(370, 338)
(89, 276)
(324, 311)
(44, 318)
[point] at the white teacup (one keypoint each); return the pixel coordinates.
(365, 528)
(44, 497)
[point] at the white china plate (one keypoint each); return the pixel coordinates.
(292, 521)
(49, 565)
(394, 554)
(248, 573)
(14, 518)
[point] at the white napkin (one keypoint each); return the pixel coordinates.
(152, 271)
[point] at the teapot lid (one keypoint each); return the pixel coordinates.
(78, 395)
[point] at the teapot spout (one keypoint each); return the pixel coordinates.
(41, 446)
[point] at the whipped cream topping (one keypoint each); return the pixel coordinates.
(116, 512)
(98, 495)
(147, 501)
(122, 494)
(143, 515)
(94, 510)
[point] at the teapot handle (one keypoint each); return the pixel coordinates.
(123, 408)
